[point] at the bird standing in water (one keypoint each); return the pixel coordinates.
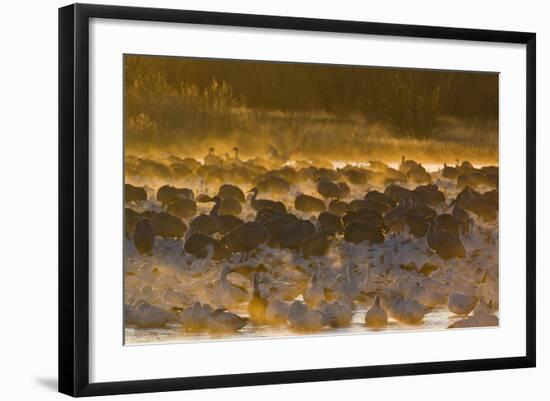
(144, 237)
(258, 304)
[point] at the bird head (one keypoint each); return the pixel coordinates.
(203, 198)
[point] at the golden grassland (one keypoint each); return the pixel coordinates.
(186, 120)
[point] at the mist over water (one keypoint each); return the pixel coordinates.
(299, 123)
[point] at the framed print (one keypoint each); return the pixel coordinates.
(249, 199)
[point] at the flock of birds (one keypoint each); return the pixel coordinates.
(308, 246)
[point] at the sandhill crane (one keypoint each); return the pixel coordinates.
(446, 244)
(308, 204)
(144, 237)
(134, 194)
(168, 226)
(258, 204)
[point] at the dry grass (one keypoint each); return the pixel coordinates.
(186, 121)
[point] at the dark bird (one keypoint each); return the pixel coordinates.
(231, 191)
(448, 222)
(419, 175)
(449, 172)
(397, 193)
(150, 168)
(144, 237)
(134, 194)
(245, 238)
(473, 179)
(380, 207)
(378, 166)
(197, 245)
(466, 222)
(328, 189)
(316, 244)
(339, 207)
(446, 244)
(180, 171)
(330, 222)
(365, 215)
(292, 235)
(355, 176)
(358, 231)
(380, 197)
(167, 194)
(214, 222)
(229, 206)
(274, 184)
(258, 204)
(183, 208)
(417, 223)
(167, 225)
(407, 165)
(274, 222)
(211, 159)
(131, 217)
(428, 195)
(483, 206)
(391, 176)
(309, 204)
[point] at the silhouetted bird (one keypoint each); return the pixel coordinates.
(134, 194)
(258, 204)
(358, 231)
(144, 237)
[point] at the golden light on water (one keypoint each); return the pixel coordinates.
(376, 189)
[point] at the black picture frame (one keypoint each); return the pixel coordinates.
(74, 198)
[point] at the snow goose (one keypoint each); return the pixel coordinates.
(302, 318)
(407, 312)
(195, 318)
(314, 293)
(276, 312)
(338, 313)
(223, 321)
(376, 316)
(258, 304)
(461, 304)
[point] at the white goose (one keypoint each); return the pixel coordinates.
(314, 293)
(338, 313)
(223, 321)
(195, 318)
(425, 296)
(407, 312)
(143, 314)
(226, 294)
(302, 318)
(276, 312)
(376, 316)
(461, 304)
(484, 316)
(201, 266)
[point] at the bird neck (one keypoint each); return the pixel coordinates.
(216, 208)
(431, 227)
(223, 276)
(209, 252)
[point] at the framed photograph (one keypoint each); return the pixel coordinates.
(250, 199)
